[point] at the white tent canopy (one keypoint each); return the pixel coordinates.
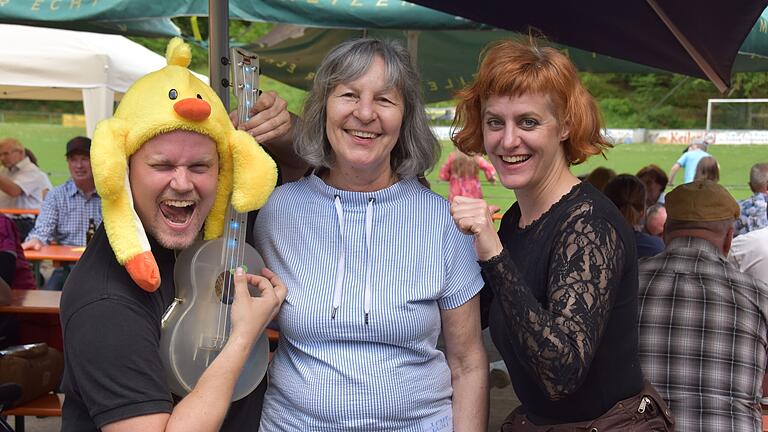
(51, 64)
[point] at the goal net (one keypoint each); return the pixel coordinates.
(737, 114)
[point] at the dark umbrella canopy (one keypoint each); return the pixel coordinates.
(696, 37)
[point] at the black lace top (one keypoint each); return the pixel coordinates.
(561, 301)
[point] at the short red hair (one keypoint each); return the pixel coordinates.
(514, 68)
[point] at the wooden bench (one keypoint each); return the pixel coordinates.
(44, 406)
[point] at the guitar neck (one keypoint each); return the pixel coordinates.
(245, 79)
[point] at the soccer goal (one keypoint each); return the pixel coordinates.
(737, 114)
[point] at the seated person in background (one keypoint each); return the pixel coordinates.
(655, 217)
(749, 253)
(708, 169)
(22, 184)
(15, 273)
(628, 193)
(754, 210)
(461, 171)
(702, 322)
(688, 161)
(599, 177)
(14, 268)
(68, 209)
(655, 180)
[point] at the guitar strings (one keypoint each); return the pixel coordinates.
(237, 222)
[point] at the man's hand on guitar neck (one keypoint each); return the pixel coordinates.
(272, 125)
(269, 118)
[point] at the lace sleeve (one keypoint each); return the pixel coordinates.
(557, 342)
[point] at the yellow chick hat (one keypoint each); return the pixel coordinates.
(169, 99)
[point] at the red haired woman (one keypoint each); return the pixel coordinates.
(561, 275)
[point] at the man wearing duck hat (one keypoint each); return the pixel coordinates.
(703, 322)
(165, 165)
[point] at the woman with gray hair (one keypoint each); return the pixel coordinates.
(373, 262)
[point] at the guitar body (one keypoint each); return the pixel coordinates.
(197, 326)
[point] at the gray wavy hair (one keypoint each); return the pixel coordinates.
(417, 149)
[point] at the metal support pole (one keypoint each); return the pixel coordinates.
(218, 48)
(413, 46)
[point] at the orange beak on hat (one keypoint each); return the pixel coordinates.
(193, 109)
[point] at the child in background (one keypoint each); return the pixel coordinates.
(707, 169)
(461, 171)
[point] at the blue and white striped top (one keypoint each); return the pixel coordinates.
(342, 373)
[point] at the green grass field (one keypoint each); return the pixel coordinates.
(735, 162)
(47, 142)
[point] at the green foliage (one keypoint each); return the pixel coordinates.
(71, 107)
(292, 95)
(619, 112)
(658, 101)
(750, 85)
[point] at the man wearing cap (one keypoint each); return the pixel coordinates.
(703, 324)
(68, 209)
(688, 161)
(22, 184)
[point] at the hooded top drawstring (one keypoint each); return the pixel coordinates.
(342, 257)
(368, 232)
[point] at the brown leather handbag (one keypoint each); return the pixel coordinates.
(643, 412)
(37, 368)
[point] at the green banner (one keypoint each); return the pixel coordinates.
(158, 27)
(318, 13)
(756, 42)
(126, 17)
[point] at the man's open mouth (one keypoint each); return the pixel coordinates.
(178, 211)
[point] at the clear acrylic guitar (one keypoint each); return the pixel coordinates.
(197, 325)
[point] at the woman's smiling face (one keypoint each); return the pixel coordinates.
(522, 136)
(363, 122)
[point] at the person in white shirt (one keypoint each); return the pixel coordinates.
(22, 184)
(749, 252)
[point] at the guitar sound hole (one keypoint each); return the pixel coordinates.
(225, 287)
